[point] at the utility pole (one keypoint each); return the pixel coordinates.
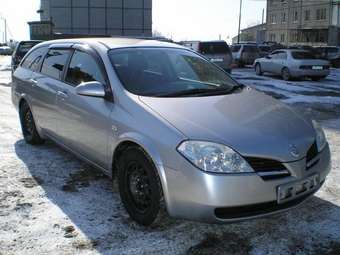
(239, 23)
(5, 30)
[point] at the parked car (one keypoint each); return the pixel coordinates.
(293, 64)
(217, 52)
(5, 50)
(175, 131)
(245, 54)
(20, 51)
(330, 53)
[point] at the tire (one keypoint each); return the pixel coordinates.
(28, 126)
(318, 78)
(140, 187)
(258, 69)
(286, 74)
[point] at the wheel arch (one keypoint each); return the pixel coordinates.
(134, 139)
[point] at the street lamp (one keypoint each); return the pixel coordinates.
(239, 23)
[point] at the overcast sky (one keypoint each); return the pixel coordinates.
(179, 19)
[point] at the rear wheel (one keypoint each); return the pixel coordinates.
(139, 186)
(318, 78)
(286, 74)
(28, 127)
(258, 69)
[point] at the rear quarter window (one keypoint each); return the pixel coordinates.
(33, 60)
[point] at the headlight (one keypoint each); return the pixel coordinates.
(320, 136)
(212, 157)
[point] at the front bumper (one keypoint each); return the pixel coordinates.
(195, 195)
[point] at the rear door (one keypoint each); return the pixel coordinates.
(84, 124)
(46, 84)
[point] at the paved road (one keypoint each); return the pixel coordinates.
(52, 203)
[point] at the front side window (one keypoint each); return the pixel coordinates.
(165, 72)
(33, 60)
(55, 62)
(83, 68)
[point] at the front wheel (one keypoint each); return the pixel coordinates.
(28, 127)
(286, 74)
(139, 186)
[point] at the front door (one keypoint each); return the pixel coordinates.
(83, 123)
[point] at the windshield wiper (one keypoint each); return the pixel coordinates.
(199, 92)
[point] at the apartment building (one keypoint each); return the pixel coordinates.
(95, 17)
(311, 22)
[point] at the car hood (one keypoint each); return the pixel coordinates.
(253, 124)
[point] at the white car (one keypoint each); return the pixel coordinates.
(293, 64)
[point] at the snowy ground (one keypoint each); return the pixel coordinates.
(51, 203)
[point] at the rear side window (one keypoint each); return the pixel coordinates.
(83, 68)
(33, 60)
(302, 55)
(55, 62)
(214, 48)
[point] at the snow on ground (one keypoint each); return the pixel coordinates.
(51, 203)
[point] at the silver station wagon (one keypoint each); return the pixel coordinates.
(176, 132)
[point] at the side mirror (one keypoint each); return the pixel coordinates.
(91, 89)
(268, 57)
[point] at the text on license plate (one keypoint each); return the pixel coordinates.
(317, 67)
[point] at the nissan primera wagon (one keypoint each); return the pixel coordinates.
(176, 131)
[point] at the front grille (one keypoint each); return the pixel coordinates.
(312, 152)
(268, 169)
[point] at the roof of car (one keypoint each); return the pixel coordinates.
(112, 43)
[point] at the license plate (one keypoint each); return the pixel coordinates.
(291, 191)
(216, 60)
(317, 67)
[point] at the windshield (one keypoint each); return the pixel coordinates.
(168, 72)
(303, 55)
(214, 48)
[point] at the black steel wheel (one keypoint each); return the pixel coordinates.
(28, 126)
(139, 186)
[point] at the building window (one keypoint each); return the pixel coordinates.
(295, 16)
(283, 17)
(321, 14)
(272, 18)
(272, 37)
(307, 15)
(283, 37)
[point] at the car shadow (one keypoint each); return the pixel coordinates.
(86, 197)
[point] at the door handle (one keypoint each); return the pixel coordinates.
(33, 82)
(62, 94)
